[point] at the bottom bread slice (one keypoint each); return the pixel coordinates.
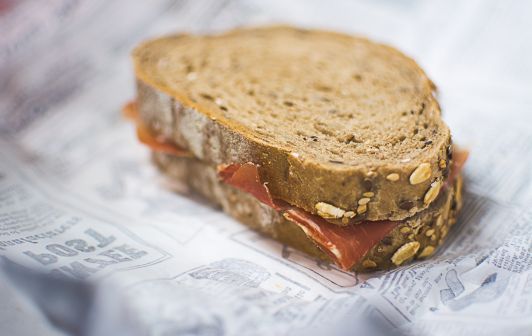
(414, 238)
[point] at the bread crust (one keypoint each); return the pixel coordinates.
(415, 238)
(303, 182)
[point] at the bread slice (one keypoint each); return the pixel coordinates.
(415, 237)
(329, 118)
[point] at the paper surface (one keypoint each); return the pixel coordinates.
(79, 196)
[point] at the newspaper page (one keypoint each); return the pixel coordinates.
(94, 241)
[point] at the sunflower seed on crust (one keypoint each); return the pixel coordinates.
(369, 264)
(433, 192)
(405, 252)
(349, 214)
(327, 210)
(444, 231)
(439, 220)
(420, 174)
(363, 201)
(427, 251)
(405, 229)
(392, 177)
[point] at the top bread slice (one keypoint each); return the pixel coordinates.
(337, 124)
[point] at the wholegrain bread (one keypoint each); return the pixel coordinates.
(414, 238)
(329, 118)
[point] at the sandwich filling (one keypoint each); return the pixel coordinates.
(345, 245)
(144, 135)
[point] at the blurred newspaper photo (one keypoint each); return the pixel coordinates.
(94, 241)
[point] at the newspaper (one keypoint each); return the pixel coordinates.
(94, 241)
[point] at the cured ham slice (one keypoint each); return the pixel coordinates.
(246, 178)
(156, 144)
(459, 159)
(346, 245)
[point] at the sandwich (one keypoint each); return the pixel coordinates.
(326, 142)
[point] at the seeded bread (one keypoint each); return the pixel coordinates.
(329, 118)
(416, 237)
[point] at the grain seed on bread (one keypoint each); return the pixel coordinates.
(427, 251)
(439, 220)
(433, 192)
(405, 252)
(393, 177)
(349, 214)
(327, 210)
(405, 229)
(421, 174)
(367, 263)
(362, 208)
(364, 201)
